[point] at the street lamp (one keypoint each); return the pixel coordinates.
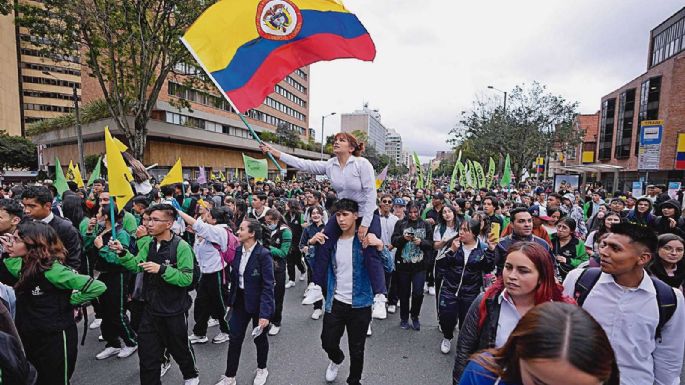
(323, 121)
(505, 97)
(79, 135)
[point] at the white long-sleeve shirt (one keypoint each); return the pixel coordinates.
(356, 181)
(629, 316)
(206, 236)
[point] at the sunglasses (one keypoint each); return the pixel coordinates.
(386, 202)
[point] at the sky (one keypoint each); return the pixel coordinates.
(434, 57)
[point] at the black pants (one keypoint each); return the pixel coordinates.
(295, 259)
(438, 286)
(356, 321)
(318, 304)
(115, 322)
(53, 354)
(279, 291)
(210, 301)
(410, 284)
(452, 310)
(157, 334)
(238, 323)
(430, 268)
(392, 288)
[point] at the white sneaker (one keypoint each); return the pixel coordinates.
(197, 339)
(101, 338)
(332, 371)
(107, 353)
(313, 294)
(95, 324)
(392, 309)
(431, 290)
(127, 351)
(307, 289)
(369, 332)
(379, 311)
(165, 368)
(303, 276)
(260, 377)
(226, 380)
(425, 288)
(220, 338)
(317, 314)
(290, 284)
(445, 346)
(212, 322)
(192, 381)
(274, 330)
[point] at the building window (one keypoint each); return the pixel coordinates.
(650, 93)
(669, 42)
(624, 133)
(607, 129)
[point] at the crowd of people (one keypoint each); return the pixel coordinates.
(530, 285)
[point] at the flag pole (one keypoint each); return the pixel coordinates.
(112, 202)
(254, 135)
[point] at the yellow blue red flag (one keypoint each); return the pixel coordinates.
(248, 46)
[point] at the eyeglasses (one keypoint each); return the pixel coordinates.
(386, 202)
(669, 249)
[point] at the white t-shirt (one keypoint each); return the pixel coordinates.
(449, 233)
(467, 252)
(343, 272)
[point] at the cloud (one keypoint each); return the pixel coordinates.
(435, 57)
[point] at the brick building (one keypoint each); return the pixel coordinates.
(657, 94)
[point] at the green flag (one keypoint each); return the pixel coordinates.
(506, 175)
(469, 173)
(95, 174)
(256, 168)
(60, 181)
(455, 171)
(491, 174)
(462, 174)
(480, 175)
(419, 171)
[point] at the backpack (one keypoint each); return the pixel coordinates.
(173, 248)
(228, 255)
(665, 296)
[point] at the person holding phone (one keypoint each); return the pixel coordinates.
(413, 239)
(251, 299)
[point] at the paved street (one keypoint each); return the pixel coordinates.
(393, 356)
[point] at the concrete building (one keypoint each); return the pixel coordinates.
(367, 121)
(32, 87)
(407, 158)
(393, 146)
(655, 96)
(210, 134)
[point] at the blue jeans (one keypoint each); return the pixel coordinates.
(410, 284)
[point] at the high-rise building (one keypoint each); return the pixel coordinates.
(367, 121)
(34, 86)
(393, 146)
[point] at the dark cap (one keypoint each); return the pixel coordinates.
(439, 195)
(399, 202)
(534, 211)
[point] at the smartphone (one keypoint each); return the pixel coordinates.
(495, 230)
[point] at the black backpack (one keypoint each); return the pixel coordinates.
(173, 248)
(665, 296)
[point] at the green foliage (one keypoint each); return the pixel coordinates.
(129, 47)
(287, 137)
(5, 7)
(89, 113)
(17, 152)
(91, 161)
(535, 122)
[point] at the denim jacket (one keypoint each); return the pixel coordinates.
(362, 294)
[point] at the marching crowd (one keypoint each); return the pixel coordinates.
(531, 286)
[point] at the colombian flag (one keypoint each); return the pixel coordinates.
(248, 46)
(680, 153)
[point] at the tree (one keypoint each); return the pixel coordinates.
(17, 152)
(286, 136)
(534, 123)
(129, 47)
(5, 7)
